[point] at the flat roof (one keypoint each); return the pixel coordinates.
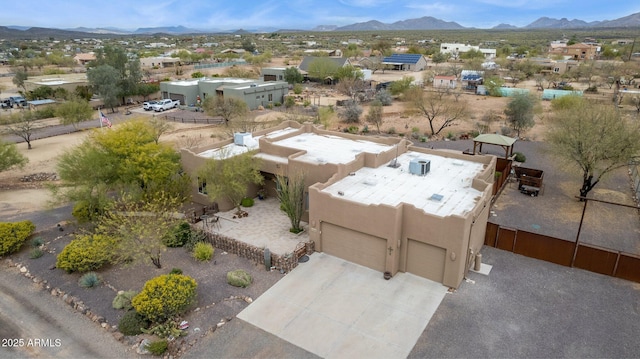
(444, 191)
(330, 148)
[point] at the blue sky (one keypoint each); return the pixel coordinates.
(300, 14)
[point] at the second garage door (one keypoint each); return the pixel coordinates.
(425, 260)
(357, 247)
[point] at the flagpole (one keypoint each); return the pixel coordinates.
(99, 117)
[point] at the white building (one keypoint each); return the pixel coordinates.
(457, 49)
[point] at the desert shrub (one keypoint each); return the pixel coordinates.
(203, 251)
(165, 296)
(391, 131)
(81, 212)
(36, 253)
(384, 97)
(194, 238)
(519, 157)
(239, 278)
(132, 323)
(351, 112)
(297, 89)
(123, 300)
(247, 202)
(158, 347)
(37, 242)
(289, 102)
(13, 235)
(166, 330)
(353, 129)
(89, 280)
(176, 271)
(178, 236)
(306, 103)
(86, 253)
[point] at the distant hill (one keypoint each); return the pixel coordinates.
(178, 30)
(549, 23)
(325, 28)
(423, 23)
(632, 20)
(504, 27)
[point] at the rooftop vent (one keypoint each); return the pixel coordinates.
(370, 181)
(436, 197)
(419, 166)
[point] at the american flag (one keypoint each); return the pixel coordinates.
(104, 120)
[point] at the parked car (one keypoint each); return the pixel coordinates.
(148, 105)
(6, 104)
(165, 104)
(18, 100)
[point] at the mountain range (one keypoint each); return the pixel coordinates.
(423, 23)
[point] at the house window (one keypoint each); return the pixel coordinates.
(556, 69)
(270, 97)
(202, 185)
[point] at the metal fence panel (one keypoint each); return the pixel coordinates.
(595, 259)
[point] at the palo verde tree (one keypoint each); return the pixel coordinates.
(74, 111)
(230, 176)
(128, 70)
(322, 67)
(520, 112)
(139, 227)
(292, 75)
(124, 158)
(104, 81)
(595, 139)
(10, 157)
(291, 196)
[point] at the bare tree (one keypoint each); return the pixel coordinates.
(227, 108)
(159, 126)
(24, 127)
(374, 116)
(440, 111)
(594, 139)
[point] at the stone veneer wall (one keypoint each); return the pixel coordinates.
(255, 254)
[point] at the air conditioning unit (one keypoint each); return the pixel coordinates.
(419, 166)
(242, 138)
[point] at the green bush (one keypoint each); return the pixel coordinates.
(353, 129)
(203, 251)
(13, 235)
(391, 131)
(81, 212)
(178, 236)
(519, 157)
(36, 253)
(89, 280)
(132, 323)
(37, 242)
(297, 89)
(166, 330)
(176, 271)
(158, 347)
(86, 253)
(165, 296)
(239, 278)
(123, 300)
(194, 238)
(247, 202)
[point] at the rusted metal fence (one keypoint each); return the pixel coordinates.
(572, 254)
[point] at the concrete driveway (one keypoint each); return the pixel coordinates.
(338, 309)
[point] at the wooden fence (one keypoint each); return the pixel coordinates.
(584, 256)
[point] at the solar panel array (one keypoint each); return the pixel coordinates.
(403, 58)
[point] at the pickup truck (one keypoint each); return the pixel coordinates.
(165, 104)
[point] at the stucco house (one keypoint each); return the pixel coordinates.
(377, 201)
(441, 81)
(456, 50)
(406, 62)
(254, 93)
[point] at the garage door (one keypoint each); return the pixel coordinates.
(354, 246)
(179, 97)
(426, 260)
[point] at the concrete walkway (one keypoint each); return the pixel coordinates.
(338, 309)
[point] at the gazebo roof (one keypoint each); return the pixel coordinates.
(495, 139)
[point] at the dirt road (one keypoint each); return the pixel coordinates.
(33, 325)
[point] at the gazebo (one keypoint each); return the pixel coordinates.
(495, 139)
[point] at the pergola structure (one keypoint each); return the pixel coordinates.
(495, 139)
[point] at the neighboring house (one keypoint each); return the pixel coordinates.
(442, 81)
(233, 51)
(159, 62)
(379, 202)
(458, 49)
(272, 73)
(554, 66)
(84, 58)
(470, 79)
(304, 65)
(254, 93)
(578, 52)
(406, 62)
